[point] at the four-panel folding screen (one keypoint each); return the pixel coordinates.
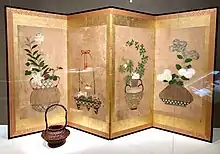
(116, 71)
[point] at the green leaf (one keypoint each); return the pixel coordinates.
(180, 56)
(40, 59)
(127, 78)
(34, 46)
(44, 67)
(189, 66)
(174, 76)
(27, 72)
(45, 71)
(35, 52)
(37, 56)
(188, 60)
(172, 81)
(178, 66)
(184, 78)
(32, 41)
(179, 83)
(41, 64)
(35, 69)
(54, 78)
(51, 77)
(33, 62)
(27, 64)
(31, 56)
(28, 51)
(121, 69)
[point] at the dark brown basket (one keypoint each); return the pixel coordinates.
(55, 135)
(176, 95)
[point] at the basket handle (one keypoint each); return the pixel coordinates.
(46, 121)
(31, 83)
(58, 81)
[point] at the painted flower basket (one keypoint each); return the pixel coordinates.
(89, 102)
(87, 99)
(43, 81)
(175, 93)
(134, 87)
(44, 95)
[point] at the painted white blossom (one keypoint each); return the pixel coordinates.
(125, 65)
(37, 78)
(166, 75)
(81, 94)
(88, 87)
(39, 38)
(135, 76)
(187, 73)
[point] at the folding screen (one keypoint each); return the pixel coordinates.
(116, 71)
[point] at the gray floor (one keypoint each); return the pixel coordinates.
(151, 141)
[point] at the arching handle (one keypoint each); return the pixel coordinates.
(31, 83)
(58, 81)
(46, 121)
(127, 85)
(141, 85)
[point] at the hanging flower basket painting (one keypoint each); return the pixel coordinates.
(175, 93)
(133, 79)
(43, 80)
(86, 96)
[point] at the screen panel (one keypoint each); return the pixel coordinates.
(184, 55)
(88, 82)
(35, 78)
(133, 45)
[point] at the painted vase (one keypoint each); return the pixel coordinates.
(134, 93)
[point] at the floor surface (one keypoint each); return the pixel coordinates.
(151, 141)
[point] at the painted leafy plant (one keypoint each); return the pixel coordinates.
(36, 65)
(184, 69)
(127, 65)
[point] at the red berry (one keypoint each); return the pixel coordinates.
(46, 76)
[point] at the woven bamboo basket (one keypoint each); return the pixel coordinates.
(43, 97)
(176, 95)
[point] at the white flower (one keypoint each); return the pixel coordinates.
(39, 38)
(37, 78)
(166, 75)
(187, 73)
(87, 87)
(80, 94)
(125, 65)
(135, 76)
